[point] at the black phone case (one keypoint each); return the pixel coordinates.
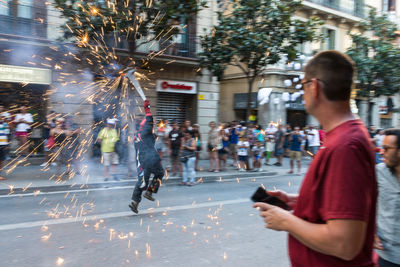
(262, 196)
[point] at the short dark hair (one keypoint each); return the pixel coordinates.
(395, 132)
(335, 71)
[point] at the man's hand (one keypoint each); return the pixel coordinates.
(146, 106)
(274, 217)
(378, 243)
(289, 199)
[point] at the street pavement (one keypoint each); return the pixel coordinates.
(210, 224)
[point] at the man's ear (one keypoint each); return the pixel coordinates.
(315, 89)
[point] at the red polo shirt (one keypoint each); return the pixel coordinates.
(340, 184)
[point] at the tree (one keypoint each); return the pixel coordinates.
(254, 34)
(131, 19)
(376, 58)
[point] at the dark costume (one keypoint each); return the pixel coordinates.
(147, 159)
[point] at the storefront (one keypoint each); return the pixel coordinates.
(24, 86)
(176, 100)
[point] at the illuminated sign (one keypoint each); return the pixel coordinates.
(18, 74)
(176, 87)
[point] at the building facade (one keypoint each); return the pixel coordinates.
(40, 71)
(282, 81)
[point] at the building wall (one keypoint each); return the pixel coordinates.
(275, 75)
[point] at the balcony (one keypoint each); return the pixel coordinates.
(181, 46)
(22, 27)
(354, 8)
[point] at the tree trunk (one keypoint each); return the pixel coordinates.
(250, 89)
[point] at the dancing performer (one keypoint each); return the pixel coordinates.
(147, 159)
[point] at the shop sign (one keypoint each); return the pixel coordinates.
(18, 74)
(176, 87)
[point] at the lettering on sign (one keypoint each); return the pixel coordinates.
(181, 87)
(167, 85)
(18, 74)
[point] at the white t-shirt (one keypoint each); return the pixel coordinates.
(313, 140)
(244, 150)
(23, 127)
(6, 115)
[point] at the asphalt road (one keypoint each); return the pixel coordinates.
(210, 224)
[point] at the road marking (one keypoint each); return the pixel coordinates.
(66, 191)
(24, 225)
(131, 186)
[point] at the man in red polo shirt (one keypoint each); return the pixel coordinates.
(333, 223)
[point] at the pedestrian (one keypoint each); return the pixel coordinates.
(295, 140)
(188, 159)
(148, 160)
(23, 123)
(286, 142)
(107, 138)
(4, 132)
(269, 148)
(167, 130)
(160, 142)
(48, 143)
(388, 215)
(188, 126)
(197, 138)
(60, 152)
(233, 141)
(214, 144)
(279, 140)
(258, 151)
(243, 153)
(175, 141)
(7, 119)
(313, 140)
(73, 145)
(224, 150)
(378, 145)
(333, 223)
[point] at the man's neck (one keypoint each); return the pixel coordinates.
(334, 115)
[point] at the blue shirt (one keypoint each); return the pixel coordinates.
(296, 143)
(233, 138)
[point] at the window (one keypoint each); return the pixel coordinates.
(329, 42)
(25, 9)
(4, 8)
(389, 5)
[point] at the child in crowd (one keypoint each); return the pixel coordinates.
(257, 152)
(243, 153)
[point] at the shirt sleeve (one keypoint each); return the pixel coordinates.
(101, 134)
(348, 183)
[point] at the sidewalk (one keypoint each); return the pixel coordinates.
(32, 177)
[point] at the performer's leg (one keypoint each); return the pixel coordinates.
(139, 188)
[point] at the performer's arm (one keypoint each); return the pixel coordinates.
(148, 127)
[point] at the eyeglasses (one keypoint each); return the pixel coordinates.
(386, 148)
(308, 81)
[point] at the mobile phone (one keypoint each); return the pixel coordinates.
(261, 195)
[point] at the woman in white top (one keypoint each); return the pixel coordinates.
(23, 123)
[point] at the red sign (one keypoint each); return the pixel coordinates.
(166, 85)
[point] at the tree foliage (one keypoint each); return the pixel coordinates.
(254, 34)
(376, 57)
(130, 19)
